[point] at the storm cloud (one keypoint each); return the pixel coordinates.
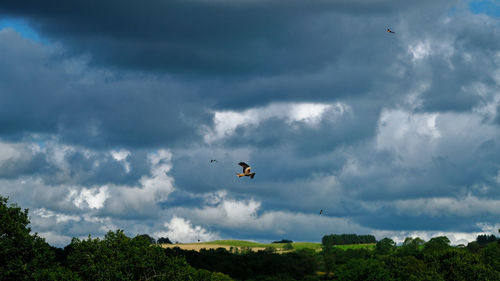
(111, 112)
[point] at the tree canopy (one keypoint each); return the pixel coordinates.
(26, 256)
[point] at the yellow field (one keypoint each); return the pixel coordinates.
(199, 246)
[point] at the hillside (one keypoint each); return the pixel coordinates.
(254, 246)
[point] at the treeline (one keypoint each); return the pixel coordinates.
(24, 256)
(249, 265)
(415, 260)
(347, 239)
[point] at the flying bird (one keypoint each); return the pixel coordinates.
(321, 212)
(390, 31)
(246, 171)
(213, 161)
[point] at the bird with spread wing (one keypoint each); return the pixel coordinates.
(246, 171)
(390, 31)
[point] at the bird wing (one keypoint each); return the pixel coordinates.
(246, 168)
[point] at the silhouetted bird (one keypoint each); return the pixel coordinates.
(390, 31)
(321, 212)
(213, 161)
(246, 171)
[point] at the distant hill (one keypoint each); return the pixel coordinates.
(254, 246)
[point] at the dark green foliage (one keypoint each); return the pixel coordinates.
(411, 246)
(346, 239)
(484, 239)
(440, 243)
(491, 255)
(473, 247)
(118, 257)
(146, 237)
(385, 246)
(461, 265)
(344, 256)
(363, 270)
(409, 268)
(288, 246)
(328, 259)
(283, 241)
(22, 256)
(25, 256)
(253, 265)
(163, 240)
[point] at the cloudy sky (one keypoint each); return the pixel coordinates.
(111, 112)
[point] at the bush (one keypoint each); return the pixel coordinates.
(283, 241)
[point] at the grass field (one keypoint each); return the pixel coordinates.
(227, 244)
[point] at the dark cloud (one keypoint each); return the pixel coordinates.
(13, 168)
(418, 135)
(225, 38)
(92, 107)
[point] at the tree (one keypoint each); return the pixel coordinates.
(385, 246)
(329, 262)
(22, 255)
(490, 254)
(344, 239)
(288, 246)
(439, 243)
(484, 239)
(409, 268)
(118, 257)
(460, 265)
(283, 241)
(270, 250)
(363, 270)
(146, 237)
(473, 247)
(411, 246)
(413, 242)
(163, 240)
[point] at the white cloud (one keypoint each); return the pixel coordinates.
(245, 215)
(179, 229)
(60, 218)
(226, 122)
(416, 138)
(455, 237)
(54, 238)
(232, 213)
(153, 188)
(465, 206)
(93, 197)
(121, 156)
(9, 151)
(419, 50)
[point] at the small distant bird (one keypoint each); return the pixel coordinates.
(321, 212)
(390, 31)
(213, 161)
(246, 171)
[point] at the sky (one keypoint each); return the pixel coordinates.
(110, 113)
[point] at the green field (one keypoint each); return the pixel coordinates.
(296, 245)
